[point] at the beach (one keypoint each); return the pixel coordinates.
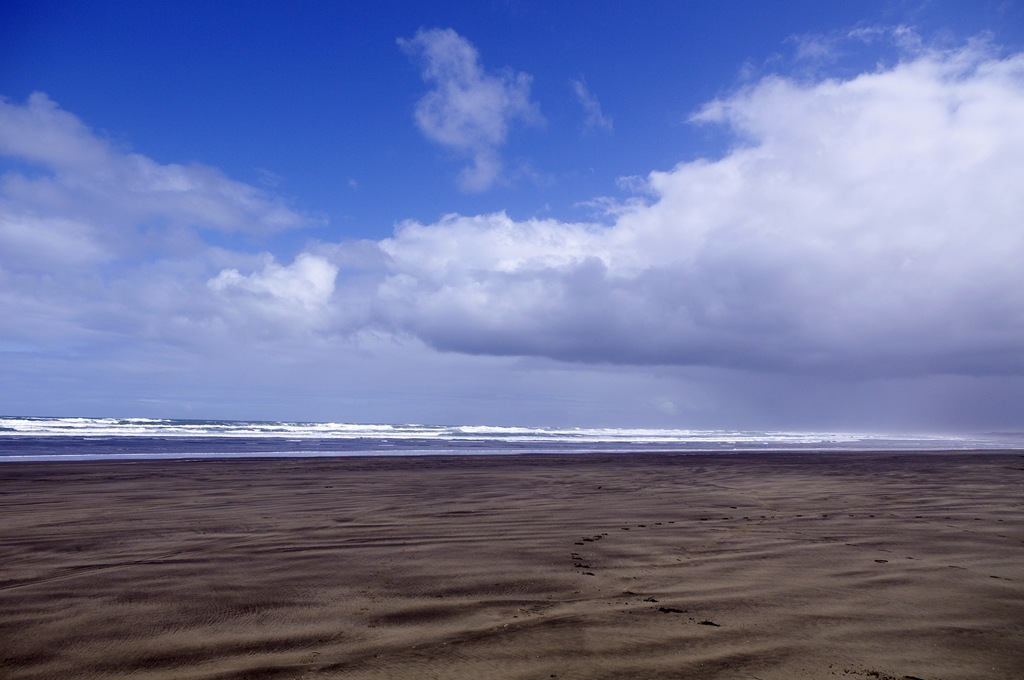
(752, 565)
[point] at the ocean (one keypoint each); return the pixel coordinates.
(64, 439)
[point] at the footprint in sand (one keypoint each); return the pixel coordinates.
(580, 563)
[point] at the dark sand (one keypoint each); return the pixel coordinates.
(762, 566)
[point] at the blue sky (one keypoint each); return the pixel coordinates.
(737, 214)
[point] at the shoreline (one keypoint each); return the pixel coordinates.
(446, 454)
(770, 565)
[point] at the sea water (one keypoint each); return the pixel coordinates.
(56, 439)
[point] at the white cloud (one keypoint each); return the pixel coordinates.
(80, 177)
(595, 118)
(307, 283)
(468, 110)
(862, 225)
(42, 133)
(32, 242)
(868, 226)
(98, 244)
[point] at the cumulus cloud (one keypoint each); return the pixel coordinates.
(595, 119)
(860, 226)
(865, 225)
(307, 283)
(468, 109)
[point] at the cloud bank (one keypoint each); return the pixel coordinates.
(863, 226)
(867, 227)
(468, 110)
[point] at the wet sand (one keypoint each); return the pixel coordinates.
(761, 566)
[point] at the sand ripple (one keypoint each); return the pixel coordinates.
(765, 566)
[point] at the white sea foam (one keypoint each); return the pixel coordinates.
(382, 434)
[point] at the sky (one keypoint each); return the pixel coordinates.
(795, 215)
